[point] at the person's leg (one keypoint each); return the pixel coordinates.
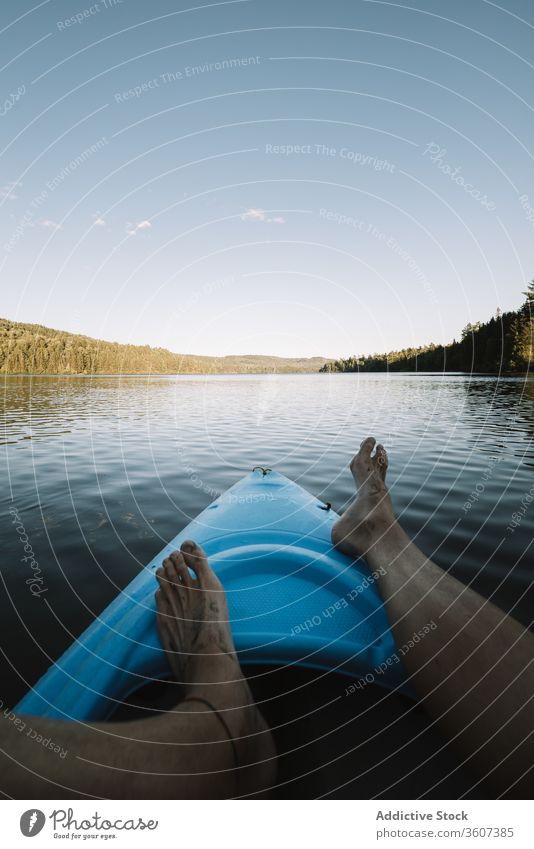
(190, 752)
(474, 672)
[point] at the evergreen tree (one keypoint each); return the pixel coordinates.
(34, 349)
(525, 327)
(505, 343)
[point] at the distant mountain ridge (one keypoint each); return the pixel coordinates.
(36, 349)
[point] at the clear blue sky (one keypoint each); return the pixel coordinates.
(263, 176)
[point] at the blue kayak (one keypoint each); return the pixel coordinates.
(293, 599)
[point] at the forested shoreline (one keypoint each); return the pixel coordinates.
(35, 349)
(502, 344)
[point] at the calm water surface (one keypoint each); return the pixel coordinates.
(104, 471)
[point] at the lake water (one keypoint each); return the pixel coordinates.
(103, 471)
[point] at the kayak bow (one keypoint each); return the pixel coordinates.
(293, 599)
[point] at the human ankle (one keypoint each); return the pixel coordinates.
(388, 540)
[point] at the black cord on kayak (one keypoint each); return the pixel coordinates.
(263, 470)
(327, 506)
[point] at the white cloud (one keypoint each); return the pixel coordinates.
(9, 191)
(98, 221)
(255, 214)
(132, 229)
(48, 224)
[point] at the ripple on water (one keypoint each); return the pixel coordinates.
(104, 471)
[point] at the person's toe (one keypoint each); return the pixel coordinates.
(381, 460)
(166, 589)
(164, 586)
(181, 569)
(168, 583)
(176, 571)
(196, 559)
(366, 447)
(361, 462)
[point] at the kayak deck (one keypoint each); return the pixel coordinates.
(293, 599)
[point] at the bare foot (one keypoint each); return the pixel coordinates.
(370, 517)
(194, 629)
(193, 621)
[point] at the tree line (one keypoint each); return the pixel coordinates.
(35, 349)
(505, 343)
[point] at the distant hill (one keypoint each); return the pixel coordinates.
(35, 349)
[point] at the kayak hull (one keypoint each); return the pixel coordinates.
(293, 599)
